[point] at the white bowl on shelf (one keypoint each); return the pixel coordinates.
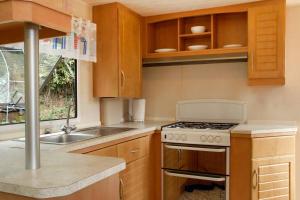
(164, 50)
(197, 47)
(198, 29)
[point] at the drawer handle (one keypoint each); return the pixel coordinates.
(255, 178)
(134, 151)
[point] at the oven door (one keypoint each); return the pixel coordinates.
(194, 186)
(200, 159)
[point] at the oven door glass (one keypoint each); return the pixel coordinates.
(203, 159)
(192, 186)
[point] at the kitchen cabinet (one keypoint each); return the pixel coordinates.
(272, 178)
(173, 31)
(134, 149)
(135, 180)
(266, 44)
(262, 167)
(142, 177)
(117, 72)
(258, 27)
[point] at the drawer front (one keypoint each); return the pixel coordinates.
(108, 151)
(133, 150)
(273, 146)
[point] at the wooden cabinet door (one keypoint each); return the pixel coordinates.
(135, 180)
(273, 178)
(130, 53)
(266, 44)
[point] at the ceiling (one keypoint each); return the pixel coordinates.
(155, 7)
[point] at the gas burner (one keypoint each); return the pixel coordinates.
(202, 125)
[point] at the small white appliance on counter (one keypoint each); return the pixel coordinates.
(196, 149)
(138, 110)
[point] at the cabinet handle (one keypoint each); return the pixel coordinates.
(252, 59)
(134, 151)
(122, 78)
(255, 178)
(121, 189)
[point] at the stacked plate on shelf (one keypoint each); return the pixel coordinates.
(197, 30)
(197, 47)
(227, 46)
(164, 50)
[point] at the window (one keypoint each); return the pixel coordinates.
(58, 86)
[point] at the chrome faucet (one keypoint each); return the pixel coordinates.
(68, 128)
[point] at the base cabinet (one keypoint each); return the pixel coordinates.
(272, 178)
(141, 178)
(262, 168)
(134, 181)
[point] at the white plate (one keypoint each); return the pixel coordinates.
(164, 50)
(197, 47)
(232, 46)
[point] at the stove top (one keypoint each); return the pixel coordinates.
(202, 125)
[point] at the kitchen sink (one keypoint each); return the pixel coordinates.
(66, 138)
(80, 135)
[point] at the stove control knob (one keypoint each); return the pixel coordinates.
(183, 137)
(203, 138)
(218, 139)
(210, 139)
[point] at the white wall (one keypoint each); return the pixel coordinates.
(89, 109)
(163, 86)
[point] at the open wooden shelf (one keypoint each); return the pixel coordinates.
(230, 28)
(192, 35)
(163, 35)
(221, 29)
(220, 51)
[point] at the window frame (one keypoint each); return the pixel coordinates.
(53, 123)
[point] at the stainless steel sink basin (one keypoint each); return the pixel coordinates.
(80, 135)
(66, 138)
(104, 131)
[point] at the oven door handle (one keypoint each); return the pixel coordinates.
(195, 149)
(204, 178)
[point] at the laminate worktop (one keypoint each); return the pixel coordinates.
(62, 173)
(259, 129)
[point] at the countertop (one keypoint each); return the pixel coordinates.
(257, 128)
(75, 171)
(140, 128)
(61, 174)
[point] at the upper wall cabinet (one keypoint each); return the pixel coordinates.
(267, 44)
(117, 72)
(253, 30)
(179, 37)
